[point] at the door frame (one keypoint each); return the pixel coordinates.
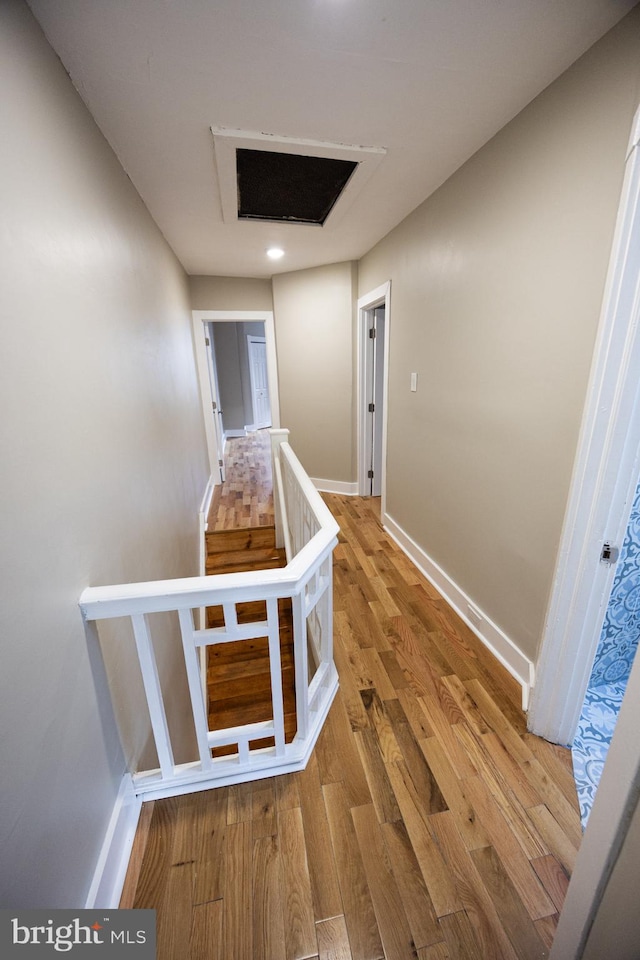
(604, 480)
(380, 296)
(200, 318)
(218, 422)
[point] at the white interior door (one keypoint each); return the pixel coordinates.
(371, 390)
(378, 394)
(374, 399)
(257, 349)
(603, 486)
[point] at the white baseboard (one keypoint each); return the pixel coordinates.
(500, 645)
(111, 868)
(205, 506)
(234, 433)
(335, 486)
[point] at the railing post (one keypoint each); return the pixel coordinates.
(278, 436)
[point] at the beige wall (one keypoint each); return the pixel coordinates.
(230, 293)
(314, 318)
(104, 461)
(497, 282)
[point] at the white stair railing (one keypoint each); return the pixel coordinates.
(308, 528)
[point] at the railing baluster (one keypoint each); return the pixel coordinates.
(153, 690)
(326, 612)
(195, 687)
(301, 658)
(230, 616)
(283, 538)
(278, 437)
(276, 674)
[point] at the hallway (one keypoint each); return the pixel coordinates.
(245, 498)
(427, 825)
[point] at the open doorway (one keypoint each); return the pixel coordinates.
(373, 354)
(221, 341)
(239, 354)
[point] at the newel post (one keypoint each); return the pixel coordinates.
(278, 436)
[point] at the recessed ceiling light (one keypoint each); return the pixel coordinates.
(275, 253)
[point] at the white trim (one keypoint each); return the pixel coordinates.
(113, 860)
(500, 645)
(380, 296)
(604, 480)
(229, 434)
(205, 505)
(343, 487)
(211, 428)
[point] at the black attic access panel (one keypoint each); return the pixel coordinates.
(288, 187)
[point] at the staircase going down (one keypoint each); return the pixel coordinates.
(238, 677)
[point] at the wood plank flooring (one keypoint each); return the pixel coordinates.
(428, 824)
(240, 536)
(245, 498)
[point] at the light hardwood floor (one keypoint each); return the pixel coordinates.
(428, 823)
(245, 498)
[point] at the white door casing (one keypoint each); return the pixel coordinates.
(215, 395)
(205, 368)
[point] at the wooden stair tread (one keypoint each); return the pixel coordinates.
(262, 558)
(255, 704)
(240, 538)
(238, 673)
(244, 677)
(248, 651)
(249, 612)
(240, 663)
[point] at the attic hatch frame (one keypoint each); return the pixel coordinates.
(227, 141)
